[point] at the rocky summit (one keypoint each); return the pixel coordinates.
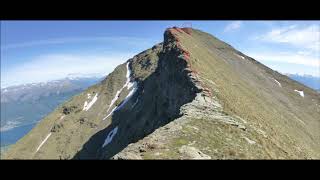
(190, 97)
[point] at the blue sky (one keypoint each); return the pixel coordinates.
(37, 51)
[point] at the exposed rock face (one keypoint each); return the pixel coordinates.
(153, 104)
(190, 97)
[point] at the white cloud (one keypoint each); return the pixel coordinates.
(105, 39)
(286, 62)
(286, 57)
(289, 62)
(57, 66)
(292, 45)
(53, 66)
(233, 26)
(302, 37)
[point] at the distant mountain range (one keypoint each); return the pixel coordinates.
(24, 105)
(308, 80)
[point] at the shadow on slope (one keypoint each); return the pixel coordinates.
(156, 103)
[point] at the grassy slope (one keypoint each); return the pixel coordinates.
(72, 134)
(282, 123)
(248, 91)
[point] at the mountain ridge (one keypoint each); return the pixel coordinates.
(192, 96)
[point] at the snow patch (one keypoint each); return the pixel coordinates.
(125, 85)
(300, 92)
(110, 113)
(114, 99)
(89, 95)
(110, 136)
(134, 89)
(128, 72)
(249, 141)
(87, 106)
(279, 84)
(43, 141)
(129, 85)
(240, 56)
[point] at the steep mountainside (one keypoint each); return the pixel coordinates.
(192, 96)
